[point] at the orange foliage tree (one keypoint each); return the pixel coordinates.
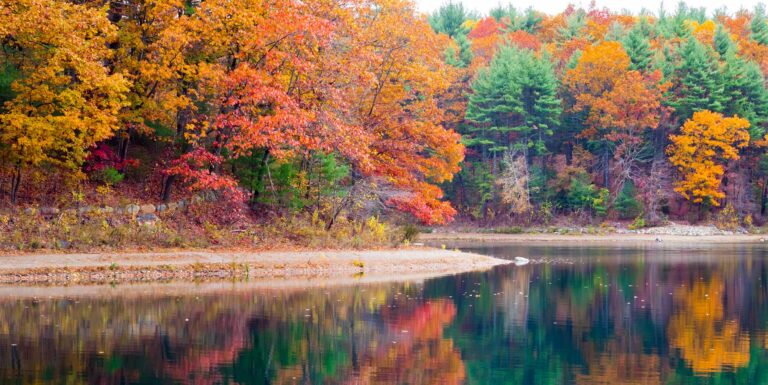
(620, 104)
(699, 151)
(624, 114)
(397, 107)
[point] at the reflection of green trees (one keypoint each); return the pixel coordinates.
(602, 322)
(280, 351)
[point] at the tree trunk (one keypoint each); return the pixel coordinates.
(606, 171)
(763, 197)
(167, 187)
(263, 166)
(181, 123)
(122, 149)
(15, 183)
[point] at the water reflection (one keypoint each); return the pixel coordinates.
(589, 315)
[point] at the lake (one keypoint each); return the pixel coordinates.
(577, 314)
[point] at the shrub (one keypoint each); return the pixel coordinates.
(410, 232)
(509, 230)
(600, 202)
(727, 218)
(546, 212)
(627, 205)
(638, 223)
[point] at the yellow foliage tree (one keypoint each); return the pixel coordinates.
(65, 99)
(699, 151)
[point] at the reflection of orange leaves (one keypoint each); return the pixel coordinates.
(427, 320)
(707, 342)
(434, 362)
(423, 356)
(200, 367)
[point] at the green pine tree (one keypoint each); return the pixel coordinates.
(745, 92)
(758, 26)
(723, 42)
(698, 84)
(574, 23)
(463, 57)
(638, 47)
(516, 93)
(449, 19)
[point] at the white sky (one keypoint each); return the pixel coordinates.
(556, 6)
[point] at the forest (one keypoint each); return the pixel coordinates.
(368, 107)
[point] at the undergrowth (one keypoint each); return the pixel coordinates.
(192, 228)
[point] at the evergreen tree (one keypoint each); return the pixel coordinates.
(723, 42)
(463, 57)
(678, 25)
(626, 203)
(529, 21)
(616, 32)
(516, 93)
(449, 19)
(745, 92)
(574, 23)
(698, 84)
(638, 47)
(500, 11)
(758, 26)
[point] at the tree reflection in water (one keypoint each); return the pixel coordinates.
(596, 316)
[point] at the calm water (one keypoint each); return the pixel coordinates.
(576, 315)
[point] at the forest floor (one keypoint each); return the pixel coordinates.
(299, 266)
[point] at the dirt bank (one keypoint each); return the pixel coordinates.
(193, 265)
(595, 238)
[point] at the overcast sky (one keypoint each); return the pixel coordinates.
(556, 6)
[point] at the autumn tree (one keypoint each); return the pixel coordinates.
(595, 74)
(409, 149)
(64, 100)
(153, 52)
(623, 116)
(699, 151)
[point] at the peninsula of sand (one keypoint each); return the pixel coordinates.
(376, 265)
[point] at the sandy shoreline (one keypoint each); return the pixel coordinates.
(594, 238)
(299, 266)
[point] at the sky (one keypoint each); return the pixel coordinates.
(556, 6)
